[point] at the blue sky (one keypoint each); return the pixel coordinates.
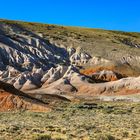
(107, 14)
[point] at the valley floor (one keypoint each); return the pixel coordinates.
(74, 121)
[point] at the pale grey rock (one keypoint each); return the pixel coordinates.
(79, 58)
(54, 74)
(71, 51)
(98, 60)
(28, 85)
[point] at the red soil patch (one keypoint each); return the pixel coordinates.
(15, 100)
(5, 101)
(90, 71)
(123, 69)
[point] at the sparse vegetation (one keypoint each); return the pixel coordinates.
(104, 121)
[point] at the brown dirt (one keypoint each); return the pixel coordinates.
(124, 69)
(95, 91)
(16, 100)
(92, 70)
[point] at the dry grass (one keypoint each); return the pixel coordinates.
(102, 121)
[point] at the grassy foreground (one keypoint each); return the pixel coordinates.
(79, 121)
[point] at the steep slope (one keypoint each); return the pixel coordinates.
(26, 51)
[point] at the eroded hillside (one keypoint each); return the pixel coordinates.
(67, 62)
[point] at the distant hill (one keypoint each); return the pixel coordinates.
(104, 43)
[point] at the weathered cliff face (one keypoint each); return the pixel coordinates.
(25, 52)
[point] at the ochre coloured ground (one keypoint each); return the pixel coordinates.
(15, 101)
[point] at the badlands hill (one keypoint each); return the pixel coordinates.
(60, 62)
(116, 47)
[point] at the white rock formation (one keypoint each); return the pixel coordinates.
(28, 85)
(106, 75)
(98, 61)
(54, 74)
(79, 58)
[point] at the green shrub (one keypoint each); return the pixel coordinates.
(42, 137)
(105, 137)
